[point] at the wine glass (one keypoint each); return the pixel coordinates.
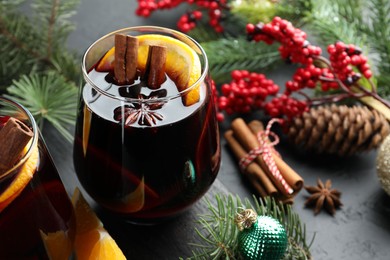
(142, 152)
(36, 214)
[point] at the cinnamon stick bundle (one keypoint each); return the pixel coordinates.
(242, 138)
(14, 136)
(126, 60)
(259, 178)
(291, 177)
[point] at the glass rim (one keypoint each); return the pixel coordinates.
(34, 128)
(147, 29)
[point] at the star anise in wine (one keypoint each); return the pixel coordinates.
(323, 196)
(143, 112)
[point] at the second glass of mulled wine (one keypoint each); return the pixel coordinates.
(147, 140)
(36, 215)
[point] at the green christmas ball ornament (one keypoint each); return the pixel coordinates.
(383, 165)
(260, 237)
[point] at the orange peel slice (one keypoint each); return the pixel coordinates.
(58, 245)
(92, 240)
(86, 128)
(24, 176)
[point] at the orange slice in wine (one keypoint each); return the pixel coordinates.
(182, 63)
(132, 202)
(92, 239)
(22, 179)
(86, 128)
(107, 62)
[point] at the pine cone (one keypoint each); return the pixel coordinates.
(339, 130)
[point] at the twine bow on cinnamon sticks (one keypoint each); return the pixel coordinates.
(260, 162)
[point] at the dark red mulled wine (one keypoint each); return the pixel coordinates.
(37, 214)
(141, 152)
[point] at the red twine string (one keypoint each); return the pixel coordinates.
(265, 150)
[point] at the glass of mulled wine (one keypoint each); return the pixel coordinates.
(36, 214)
(147, 140)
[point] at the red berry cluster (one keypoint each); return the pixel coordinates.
(310, 77)
(343, 58)
(294, 46)
(285, 105)
(187, 21)
(246, 92)
(147, 7)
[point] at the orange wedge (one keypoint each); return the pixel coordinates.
(24, 176)
(92, 239)
(107, 62)
(57, 244)
(182, 63)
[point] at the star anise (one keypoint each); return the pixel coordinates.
(323, 196)
(143, 112)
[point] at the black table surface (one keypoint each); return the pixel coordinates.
(359, 230)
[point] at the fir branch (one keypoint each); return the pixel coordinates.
(7, 6)
(227, 54)
(48, 97)
(53, 17)
(349, 21)
(337, 20)
(33, 50)
(378, 32)
(295, 10)
(17, 47)
(204, 33)
(218, 232)
(26, 48)
(65, 63)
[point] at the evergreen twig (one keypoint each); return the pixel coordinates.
(350, 22)
(218, 232)
(238, 53)
(36, 67)
(377, 30)
(36, 92)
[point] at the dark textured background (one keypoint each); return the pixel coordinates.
(360, 230)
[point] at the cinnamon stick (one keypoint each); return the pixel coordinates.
(245, 136)
(131, 58)
(155, 66)
(120, 58)
(259, 179)
(126, 58)
(291, 177)
(14, 137)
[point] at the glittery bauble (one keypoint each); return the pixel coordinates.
(383, 164)
(265, 239)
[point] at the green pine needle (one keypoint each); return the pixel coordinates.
(337, 20)
(229, 54)
(48, 97)
(218, 232)
(350, 22)
(36, 68)
(54, 20)
(17, 48)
